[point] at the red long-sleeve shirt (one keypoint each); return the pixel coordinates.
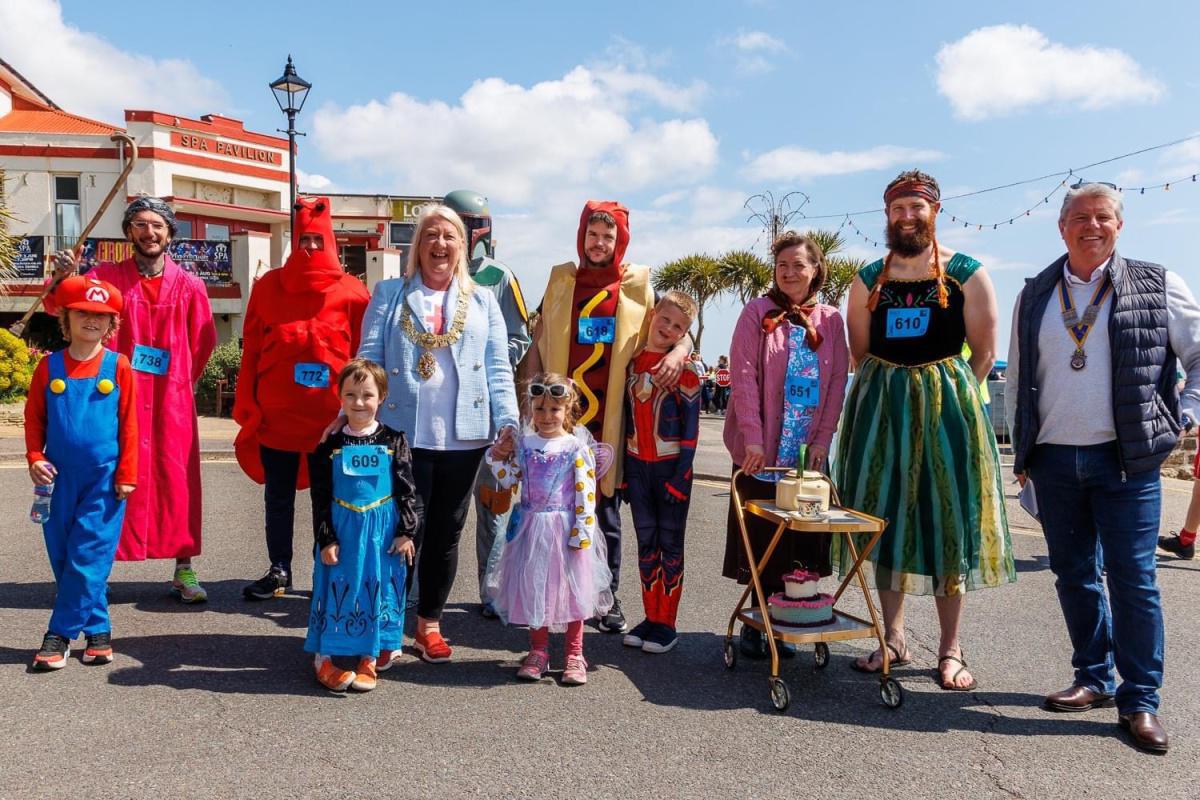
(35, 411)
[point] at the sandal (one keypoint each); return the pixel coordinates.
(951, 686)
(896, 660)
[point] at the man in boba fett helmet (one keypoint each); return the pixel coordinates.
(491, 504)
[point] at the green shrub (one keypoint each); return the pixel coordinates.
(14, 368)
(224, 364)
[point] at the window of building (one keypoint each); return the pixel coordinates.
(67, 214)
(184, 227)
(215, 232)
(401, 234)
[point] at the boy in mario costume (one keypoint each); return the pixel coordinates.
(303, 323)
(81, 443)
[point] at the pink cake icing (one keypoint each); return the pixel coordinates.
(803, 612)
(800, 584)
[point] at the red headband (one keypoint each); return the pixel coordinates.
(910, 187)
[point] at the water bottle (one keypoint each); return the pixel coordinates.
(40, 512)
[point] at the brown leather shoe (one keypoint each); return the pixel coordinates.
(1147, 733)
(1078, 698)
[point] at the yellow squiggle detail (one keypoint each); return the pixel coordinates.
(593, 402)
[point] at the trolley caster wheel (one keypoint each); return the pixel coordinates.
(891, 693)
(821, 656)
(730, 654)
(780, 697)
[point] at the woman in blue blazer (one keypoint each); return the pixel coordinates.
(450, 389)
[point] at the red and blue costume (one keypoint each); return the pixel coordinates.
(81, 417)
(660, 447)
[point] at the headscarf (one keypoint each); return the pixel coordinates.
(154, 204)
(930, 191)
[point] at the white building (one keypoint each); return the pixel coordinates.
(226, 184)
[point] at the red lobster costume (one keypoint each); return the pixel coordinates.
(303, 316)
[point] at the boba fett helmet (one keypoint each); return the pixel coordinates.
(473, 208)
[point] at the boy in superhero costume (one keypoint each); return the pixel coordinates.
(303, 323)
(663, 428)
(594, 319)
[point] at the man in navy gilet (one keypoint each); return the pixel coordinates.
(1096, 409)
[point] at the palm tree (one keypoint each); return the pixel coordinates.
(746, 274)
(839, 270)
(698, 275)
(8, 243)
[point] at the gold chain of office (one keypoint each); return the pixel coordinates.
(427, 364)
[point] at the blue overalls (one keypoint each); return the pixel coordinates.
(85, 514)
(358, 603)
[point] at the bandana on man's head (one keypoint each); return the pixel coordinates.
(913, 186)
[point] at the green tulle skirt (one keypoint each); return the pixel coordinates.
(916, 448)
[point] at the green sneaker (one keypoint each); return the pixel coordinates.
(186, 587)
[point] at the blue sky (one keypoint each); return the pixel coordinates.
(679, 110)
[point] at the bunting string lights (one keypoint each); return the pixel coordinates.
(1064, 180)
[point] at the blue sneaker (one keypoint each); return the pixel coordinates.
(659, 639)
(637, 636)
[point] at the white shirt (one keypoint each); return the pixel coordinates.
(437, 396)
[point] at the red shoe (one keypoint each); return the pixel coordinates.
(387, 658)
(433, 647)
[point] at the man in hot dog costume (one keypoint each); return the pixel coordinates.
(594, 319)
(491, 504)
(303, 323)
(167, 333)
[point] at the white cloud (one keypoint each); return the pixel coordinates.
(1180, 161)
(518, 142)
(795, 163)
(86, 75)
(1001, 69)
(754, 50)
(312, 182)
(712, 205)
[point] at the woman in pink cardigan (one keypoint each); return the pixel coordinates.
(789, 360)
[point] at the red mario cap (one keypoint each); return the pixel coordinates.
(89, 294)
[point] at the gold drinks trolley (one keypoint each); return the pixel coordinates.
(840, 522)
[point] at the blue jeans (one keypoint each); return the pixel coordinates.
(1087, 509)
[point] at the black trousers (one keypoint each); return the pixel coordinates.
(280, 468)
(445, 480)
(608, 518)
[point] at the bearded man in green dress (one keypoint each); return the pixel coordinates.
(916, 446)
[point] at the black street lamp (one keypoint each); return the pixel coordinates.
(290, 92)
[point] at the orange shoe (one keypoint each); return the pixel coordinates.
(333, 678)
(364, 680)
(433, 647)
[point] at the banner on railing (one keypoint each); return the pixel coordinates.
(209, 260)
(31, 258)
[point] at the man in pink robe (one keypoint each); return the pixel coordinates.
(167, 332)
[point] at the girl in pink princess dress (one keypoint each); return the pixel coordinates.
(552, 574)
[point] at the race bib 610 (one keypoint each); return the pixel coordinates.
(905, 323)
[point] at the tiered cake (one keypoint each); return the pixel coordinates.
(800, 604)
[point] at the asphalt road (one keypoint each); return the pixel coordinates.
(219, 700)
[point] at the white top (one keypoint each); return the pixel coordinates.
(436, 397)
(1075, 406)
